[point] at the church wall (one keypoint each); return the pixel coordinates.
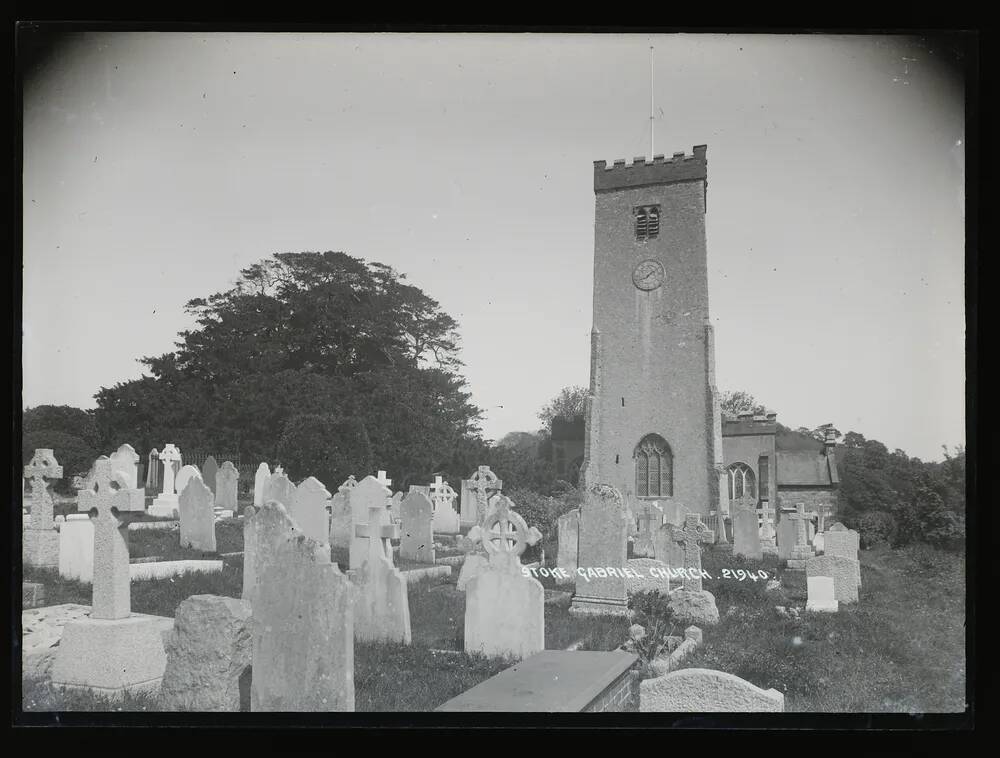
(748, 449)
(789, 495)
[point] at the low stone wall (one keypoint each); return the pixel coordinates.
(621, 696)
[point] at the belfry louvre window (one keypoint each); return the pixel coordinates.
(647, 221)
(654, 468)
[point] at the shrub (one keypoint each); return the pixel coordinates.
(874, 528)
(74, 454)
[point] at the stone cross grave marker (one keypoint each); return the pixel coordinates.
(504, 531)
(365, 497)
(40, 541)
(381, 608)
(650, 518)
(766, 524)
(309, 510)
(169, 456)
(483, 482)
(259, 482)
(443, 498)
(124, 460)
(209, 470)
(801, 550)
(43, 465)
(107, 506)
(690, 536)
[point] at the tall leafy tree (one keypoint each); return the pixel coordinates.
(305, 347)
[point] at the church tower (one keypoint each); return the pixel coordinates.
(654, 428)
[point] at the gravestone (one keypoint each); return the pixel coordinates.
(303, 625)
(111, 650)
(786, 536)
(664, 548)
(504, 610)
(341, 520)
(369, 492)
(226, 486)
(209, 471)
(259, 483)
(568, 529)
(843, 542)
(40, 540)
(184, 476)
(416, 529)
(280, 489)
(165, 503)
(844, 572)
(691, 603)
(263, 530)
(197, 518)
(309, 510)
(821, 592)
(603, 536)
(395, 506)
(706, 690)
(822, 511)
(466, 504)
(651, 518)
(446, 519)
(801, 551)
(483, 484)
(208, 650)
(76, 548)
(767, 533)
(124, 461)
(746, 531)
(381, 606)
(154, 469)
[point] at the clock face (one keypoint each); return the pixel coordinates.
(648, 275)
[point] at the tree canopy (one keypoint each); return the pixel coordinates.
(319, 359)
(570, 402)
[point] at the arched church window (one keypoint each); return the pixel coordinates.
(654, 468)
(647, 221)
(742, 481)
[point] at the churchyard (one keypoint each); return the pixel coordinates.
(414, 629)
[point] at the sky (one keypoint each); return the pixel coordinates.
(157, 165)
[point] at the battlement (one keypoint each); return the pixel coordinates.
(749, 423)
(661, 170)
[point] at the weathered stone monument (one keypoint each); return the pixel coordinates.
(226, 486)
(263, 530)
(76, 548)
(802, 550)
(706, 690)
(341, 520)
(280, 489)
(124, 461)
(309, 511)
(481, 486)
(504, 610)
(184, 476)
(208, 653)
(166, 502)
(767, 533)
(40, 541)
(650, 517)
(197, 519)
(822, 593)
(746, 529)
(446, 519)
(691, 603)
(665, 549)
(259, 483)
(568, 529)
(381, 607)
(369, 492)
(303, 624)
(395, 506)
(416, 528)
(208, 472)
(112, 650)
(843, 571)
(602, 545)
(154, 469)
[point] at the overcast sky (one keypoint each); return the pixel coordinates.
(156, 166)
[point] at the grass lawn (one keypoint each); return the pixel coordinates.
(900, 649)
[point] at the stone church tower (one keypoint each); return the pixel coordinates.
(653, 426)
